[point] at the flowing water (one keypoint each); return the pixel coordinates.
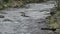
(28, 20)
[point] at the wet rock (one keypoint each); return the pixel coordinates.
(52, 13)
(7, 20)
(39, 22)
(23, 14)
(1, 16)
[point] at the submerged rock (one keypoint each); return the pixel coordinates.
(7, 20)
(23, 14)
(1, 16)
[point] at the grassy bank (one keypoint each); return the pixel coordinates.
(54, 20)
(17, 3)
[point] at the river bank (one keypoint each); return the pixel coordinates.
(17, 3)
(54, 20)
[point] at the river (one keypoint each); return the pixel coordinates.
(27, 20)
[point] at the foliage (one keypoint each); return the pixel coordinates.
(17, 3)
(54, 19)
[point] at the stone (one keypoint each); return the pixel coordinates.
(23, 14)
(1, 16)
(7, 20)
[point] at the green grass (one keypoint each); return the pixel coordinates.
(54, 21)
